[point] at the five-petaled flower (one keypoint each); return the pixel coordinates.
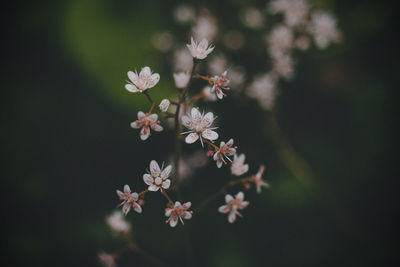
(129, 200)
(224, 151)
(200, 50)
(199, 126)
(157, 177)
(258, 179)
(233, 205)
(220, 82)
(146, 122)
(238, 167)
(143, 81)
(178, 211)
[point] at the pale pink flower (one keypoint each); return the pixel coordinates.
(264, 90)
(280, 41)
(129, 200)
(217, 64)
(238, 167)
(295, 12)
(181, 79)
(146, 122)
(233, 205)
(164, 105)
(143, 81)
(323, 28)
(220, 82)
(184, 13)
(157, 178)
(106, 259)
(117, 222)
(302, 42)
(208, 94)
(224, 151)
(199, 126)
(178, 211)
(283, 66)
(182, 60)
(200, 50)
(258, 179)
(205, 26)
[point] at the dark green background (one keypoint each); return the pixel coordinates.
(67, 144)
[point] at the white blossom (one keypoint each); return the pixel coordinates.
(157, 178)
(233, 205)
(182, 60)
(280, 41)
(181, 79)
(295, 12)
(224, 151)
(323, 28)
(258, 179)
(106, 259)
(220, 82)
(205, 26)
(129, 200)
(302, 43)
(200, 50)
(184, 13)
(208, 94)
(117, 222)
(264, 90)
(178, 211)
(164, 105)
(283, 66)
(199, 126)
(217, 64)
(143, 81)
(238, 167)
(146, 122)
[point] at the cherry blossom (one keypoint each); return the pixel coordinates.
(323, 28)
(200, 50)
(238, 167)
(199, 126)
(181, 79)
(143, 81)
(129, 200)
(157, 178)
(224, 151)
(178, 211)
(164, 105)
(233, 205)
(146, 122)
(258, 179)
(220, 82)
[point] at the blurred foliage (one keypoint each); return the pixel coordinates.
(67, 144)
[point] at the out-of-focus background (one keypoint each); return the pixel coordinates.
(67, 144)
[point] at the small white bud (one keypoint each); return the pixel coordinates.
(164, 105)
(181, 79)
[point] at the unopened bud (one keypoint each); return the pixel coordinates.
(164, 105)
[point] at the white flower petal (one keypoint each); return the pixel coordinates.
(240, 196)
(137, 208)
(141, 115)
(120, 194)
(153, 188)
(166, 172)
(144, 133)
(133, 77)
(219, 163)
(134, 125)
(210, 135)
(196, 115)
(187, 215)
(126, 208)
(191, 138)
(135, 196)
(168, 212)
(224, 209)
(208, 119)
(187, 122)
(166, 184)
(173, 221)
(203, 44)
(154, 169)
(228, 198)
(145, 73)
(153, 80)
(232, 217)
(148, 179)
(177, 204)
(187, 205)
(157, 127)
(131, 88)
(127, 189)
(153, 117)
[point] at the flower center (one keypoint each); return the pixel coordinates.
(158, 181)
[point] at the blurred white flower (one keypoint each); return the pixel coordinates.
(157, 177)
(264, 90)
(184, 13)
(259, 181)
(238, 167)
(205, 26)
(182, 60)
(323, 28)
(283, 66)
(106, 259)
(117, 222)
(199, 126)
(280, 41)
(302, 42)
(143, 81)
(146, 122)
(233, 205)
(162, 41)
(236, 76)
(224, 152)
(217, 64)
(295, 12)
(200, 50)
(178, 211)
(129, 200)
(164, 105)
(253, 18)
(181, 79)
(208, 94)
